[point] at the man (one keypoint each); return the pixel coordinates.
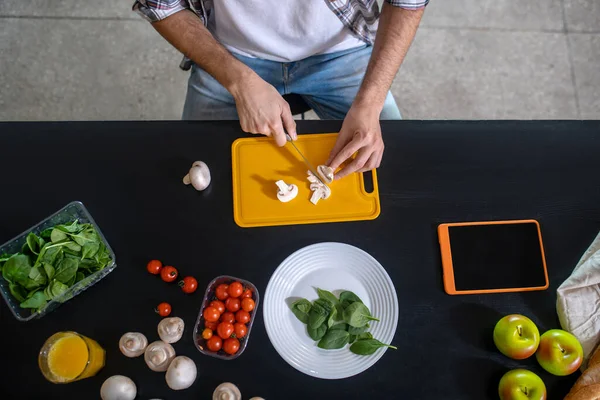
(248, 53)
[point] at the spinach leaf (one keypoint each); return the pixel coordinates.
(71, 245)
(341, 326)
(328, 296)
(87, 236)
(368, 346)
(57, 235)
(317, 333)
(357, 315)
(66, 270)
(79, 276)
(16, 269)
(17, 291)
(50, 271)
(70, 228)
(357, 331)
(301, 309)
(335, 339)
(352, 339)
(54, 289)
(318, 313)
(332, 317)
(364, 336)
(46, 233)
(34, 243)
(38, 275)
(89, 249)
(349, 297)
(37, 300)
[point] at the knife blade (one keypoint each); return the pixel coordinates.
(308, 164)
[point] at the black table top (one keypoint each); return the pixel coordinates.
(129, 175)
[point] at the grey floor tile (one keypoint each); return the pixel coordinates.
(501, 14)
(585, 53)
(85, 70)
(455, 74)
(67, 8)
(583, 15)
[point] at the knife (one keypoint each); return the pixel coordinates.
(310, 167)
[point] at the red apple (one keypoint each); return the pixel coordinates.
(521, 384)
(560, 352)
(516, 336)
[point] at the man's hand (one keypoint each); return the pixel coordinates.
(262, 110)
(360, 133)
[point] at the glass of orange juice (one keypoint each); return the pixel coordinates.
(68, 357)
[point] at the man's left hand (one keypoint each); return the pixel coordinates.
(361, 134)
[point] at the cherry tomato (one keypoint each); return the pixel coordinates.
(235, 289)
(225, 330)
(214, 343)
(168, 273)
(240, 330)
(163, 309)
(207, 333)
(221, 291)
(189, 284)
(154, 267)
(228, 317)
(211, 314)
(231, 345)
(232, 304)
(242, 316)
(247, 294)
(247, 304)
(218, 305)
(212, 325)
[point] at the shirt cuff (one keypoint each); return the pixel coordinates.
(409, 4)
(156, 10)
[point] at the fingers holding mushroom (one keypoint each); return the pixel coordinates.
(326, 173)
(170, 330)
(227, 391)
(133, 344)
(198, 176)
(158, 356)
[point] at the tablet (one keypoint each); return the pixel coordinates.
(492, 257)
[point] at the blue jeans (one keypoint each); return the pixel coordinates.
(328, 83)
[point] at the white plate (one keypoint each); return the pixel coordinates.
(334, 267)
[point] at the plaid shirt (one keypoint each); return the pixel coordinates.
(360, 16)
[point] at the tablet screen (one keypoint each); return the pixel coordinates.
(499, 256)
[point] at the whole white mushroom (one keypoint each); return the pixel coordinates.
(198, 176)
(158, 355)
(133, 344)
(181, 373)
(227, 391)
(170, 330)
(118, 387)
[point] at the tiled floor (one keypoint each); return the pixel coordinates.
(472, 59)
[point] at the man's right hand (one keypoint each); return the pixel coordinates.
(262, 110)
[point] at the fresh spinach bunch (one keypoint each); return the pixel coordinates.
(334, 322)
(49, 264)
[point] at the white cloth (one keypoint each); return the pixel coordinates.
(578, 300)
(279, 30)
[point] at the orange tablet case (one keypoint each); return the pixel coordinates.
(448, 269)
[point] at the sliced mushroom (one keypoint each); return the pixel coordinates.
(133, 344)
(227, 391)
(159, 355)
(170, 330)
(326, 173)
(319, 189)
(198, 176)
(286, 192)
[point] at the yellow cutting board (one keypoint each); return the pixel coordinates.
(257, 163)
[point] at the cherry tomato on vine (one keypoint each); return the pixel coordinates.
(242, 316)
(240, 330)
(218, 305)
(214, 343)
(225, 330)
(221, 292)
(247, 304)
(189, 284)
(231, 345)
(232, 304)
(154, 267)
(235, 289)
(168, 273)
(211, 314)
(207, 333)
(228, 317)
(163, 309)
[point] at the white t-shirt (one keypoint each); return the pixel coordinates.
(279, 30)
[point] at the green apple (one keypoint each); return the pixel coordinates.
(516, 336)
(521, 384)
(560, 352)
